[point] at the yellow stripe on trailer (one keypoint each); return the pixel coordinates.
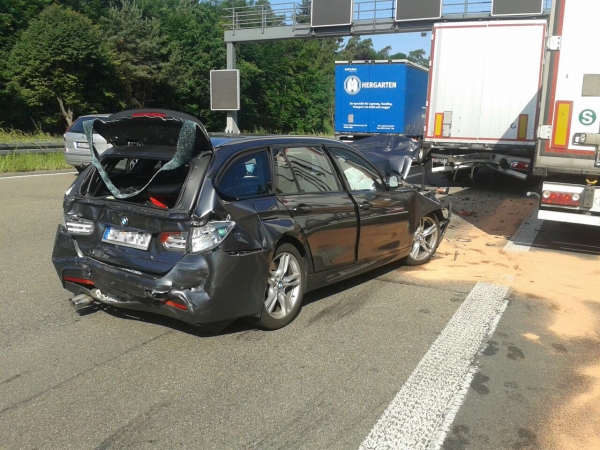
(522, 129)
(562, 124)
(439, 125)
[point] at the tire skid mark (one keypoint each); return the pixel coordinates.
(133, 424)
(80, 374)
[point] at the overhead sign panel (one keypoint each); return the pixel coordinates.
(407, 10)
(516, 7)
(225, 90)
(331, 13)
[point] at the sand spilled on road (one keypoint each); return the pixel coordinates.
(473, 250)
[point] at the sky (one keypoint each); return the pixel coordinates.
(402, 42)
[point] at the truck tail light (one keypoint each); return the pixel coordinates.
(562, 124)
(560, 198)
(519, 165)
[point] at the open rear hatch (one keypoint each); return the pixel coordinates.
(134, 206)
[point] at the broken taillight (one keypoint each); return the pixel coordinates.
(174, 241)
(210, 236)
(78, 226)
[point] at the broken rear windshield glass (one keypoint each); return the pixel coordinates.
(132, 174)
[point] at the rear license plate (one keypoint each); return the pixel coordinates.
(134, 239)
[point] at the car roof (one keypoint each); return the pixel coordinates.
(93, 115)
(220, 140)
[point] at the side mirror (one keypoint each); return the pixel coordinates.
(392, 181)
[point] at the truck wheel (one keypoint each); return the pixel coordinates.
(422, 153)
(286, 284)
(420, 156)
(425, 241)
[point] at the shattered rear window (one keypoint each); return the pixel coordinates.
(130, 174)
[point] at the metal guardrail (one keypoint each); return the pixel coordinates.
(291, 14)
(31, 147)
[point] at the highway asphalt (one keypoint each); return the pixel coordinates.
(111, 379)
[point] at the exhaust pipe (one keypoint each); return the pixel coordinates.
(81, 301)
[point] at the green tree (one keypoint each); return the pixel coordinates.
(14, 18)
(358, 49)
(94, 9)
(418, 57)
(60, 67)
(196, 41)
(399, 55)
(141, 53)
(303, 11)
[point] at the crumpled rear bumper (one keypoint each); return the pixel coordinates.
(200, 289)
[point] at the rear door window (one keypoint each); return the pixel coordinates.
(312, 169)
(247, 176)
(284, 177)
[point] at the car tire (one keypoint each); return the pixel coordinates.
(286, 282)
(425, 241)
(130, 164)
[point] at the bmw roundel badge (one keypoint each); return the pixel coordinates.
(124, 221)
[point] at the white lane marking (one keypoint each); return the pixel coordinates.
(522, 240)
(37, 175)
(422, 412)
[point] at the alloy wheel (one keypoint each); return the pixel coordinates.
(425, 239)
(284, 285)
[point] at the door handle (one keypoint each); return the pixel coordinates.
(303, 209)
(365, 205)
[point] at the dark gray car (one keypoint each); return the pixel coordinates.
(208, 229)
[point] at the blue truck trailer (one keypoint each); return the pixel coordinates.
(379, 97)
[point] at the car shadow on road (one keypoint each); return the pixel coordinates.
(239, 325)
(210, 330)
(341, 286)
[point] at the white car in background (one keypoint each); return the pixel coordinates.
(77, 150)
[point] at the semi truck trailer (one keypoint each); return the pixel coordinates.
(484, 94)
(379, 98)
(567, 155)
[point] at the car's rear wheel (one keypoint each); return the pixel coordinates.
(130, 164)
(425, 241)
(286, 282)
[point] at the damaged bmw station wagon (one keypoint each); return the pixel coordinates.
(209, 229)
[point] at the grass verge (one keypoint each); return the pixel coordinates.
(10, 136)
(30, 162)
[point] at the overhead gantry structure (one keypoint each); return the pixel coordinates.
(343, 18)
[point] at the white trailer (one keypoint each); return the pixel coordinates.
(569, 136)
(484, 94)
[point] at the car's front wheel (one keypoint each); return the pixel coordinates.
(286, 282)
(425, 241)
